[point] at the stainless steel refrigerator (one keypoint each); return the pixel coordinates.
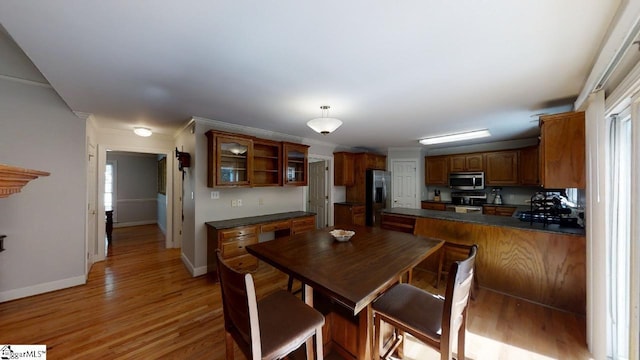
(378, 187)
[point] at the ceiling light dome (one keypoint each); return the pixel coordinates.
(142, 131)
(325, 124)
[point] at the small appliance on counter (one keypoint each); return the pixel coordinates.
(468, 201)
(553, 207)
(497, 198)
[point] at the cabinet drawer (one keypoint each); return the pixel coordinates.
(357, 210)
(238, 232)
(275, 226)
(303, 225)
(236, 248)
(243, 263)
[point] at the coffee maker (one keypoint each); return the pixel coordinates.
(497, 199)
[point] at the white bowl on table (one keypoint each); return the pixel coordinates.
(342, 235)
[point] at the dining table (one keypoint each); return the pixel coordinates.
(351, 273)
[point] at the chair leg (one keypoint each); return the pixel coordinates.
(228, 339)
(377, 341)
(440, 264)
(319, 344)
(290, 284)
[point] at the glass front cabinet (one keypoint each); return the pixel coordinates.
(295, 163)
(239, 160)
(230, 160)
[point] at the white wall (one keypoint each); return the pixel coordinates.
(45, 223)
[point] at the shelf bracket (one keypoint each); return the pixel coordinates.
(2, 242)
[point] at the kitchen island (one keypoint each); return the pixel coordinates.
(542, 264)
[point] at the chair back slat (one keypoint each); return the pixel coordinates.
(457, 295)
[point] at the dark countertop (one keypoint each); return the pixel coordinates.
(491, 220)
(261, 219)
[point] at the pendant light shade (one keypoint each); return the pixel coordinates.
(325, 124)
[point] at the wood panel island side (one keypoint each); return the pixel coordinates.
(545, 265)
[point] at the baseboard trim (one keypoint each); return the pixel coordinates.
(194, 271)
(135, 223)
(42, 288)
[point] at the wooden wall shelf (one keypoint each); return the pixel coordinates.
(13, 178)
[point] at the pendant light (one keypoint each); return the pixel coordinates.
(325, 124)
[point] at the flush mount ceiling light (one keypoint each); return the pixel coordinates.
(142, 131)
(325, 124)
(455, 137)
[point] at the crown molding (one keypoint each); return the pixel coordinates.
(26, 82)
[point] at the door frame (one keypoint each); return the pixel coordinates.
(102, 161)
(328, 186)
(416, 203)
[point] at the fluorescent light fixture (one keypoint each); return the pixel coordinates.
(455, 137)
(142, 131)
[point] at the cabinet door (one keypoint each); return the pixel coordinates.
(343, 169)
(301, 225)
(501, 168)
(436, 170)
(433, 206)
(505, 210)
(474, 162)
(528, 164)
(230, 160)
(341, 215)
(295, 163)
(488, 210)
(358, 216)
(457, 163)
(267, 163)
(562, 151)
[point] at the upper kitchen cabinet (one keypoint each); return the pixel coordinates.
(529, 166)
(230, 159)
(267, 163)
(356, 193)
(562, 151)
(295, 163)
(436, 170)
(466, 162)
(501, 168)
(343, 174)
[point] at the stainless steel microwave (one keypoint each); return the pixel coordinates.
(467, 180)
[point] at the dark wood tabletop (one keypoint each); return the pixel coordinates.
(353, 273)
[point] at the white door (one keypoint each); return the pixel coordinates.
(318, 192)
(404, 184)
(92, 194)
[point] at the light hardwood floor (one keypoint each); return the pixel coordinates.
(141, 303)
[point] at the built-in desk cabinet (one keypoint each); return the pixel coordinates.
(233, 241)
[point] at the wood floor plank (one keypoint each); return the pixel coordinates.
(141, 303)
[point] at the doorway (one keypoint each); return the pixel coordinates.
(167, 199)
(318, 191)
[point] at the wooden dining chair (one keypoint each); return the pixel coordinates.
(428, 317)
(267, 329)
(450, 253)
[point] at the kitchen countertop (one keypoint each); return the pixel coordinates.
(261, 219)
(491, 220)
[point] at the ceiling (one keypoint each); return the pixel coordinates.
(392, 71)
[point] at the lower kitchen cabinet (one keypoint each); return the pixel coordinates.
(433, 205)
(499, 210)
(345, 214)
